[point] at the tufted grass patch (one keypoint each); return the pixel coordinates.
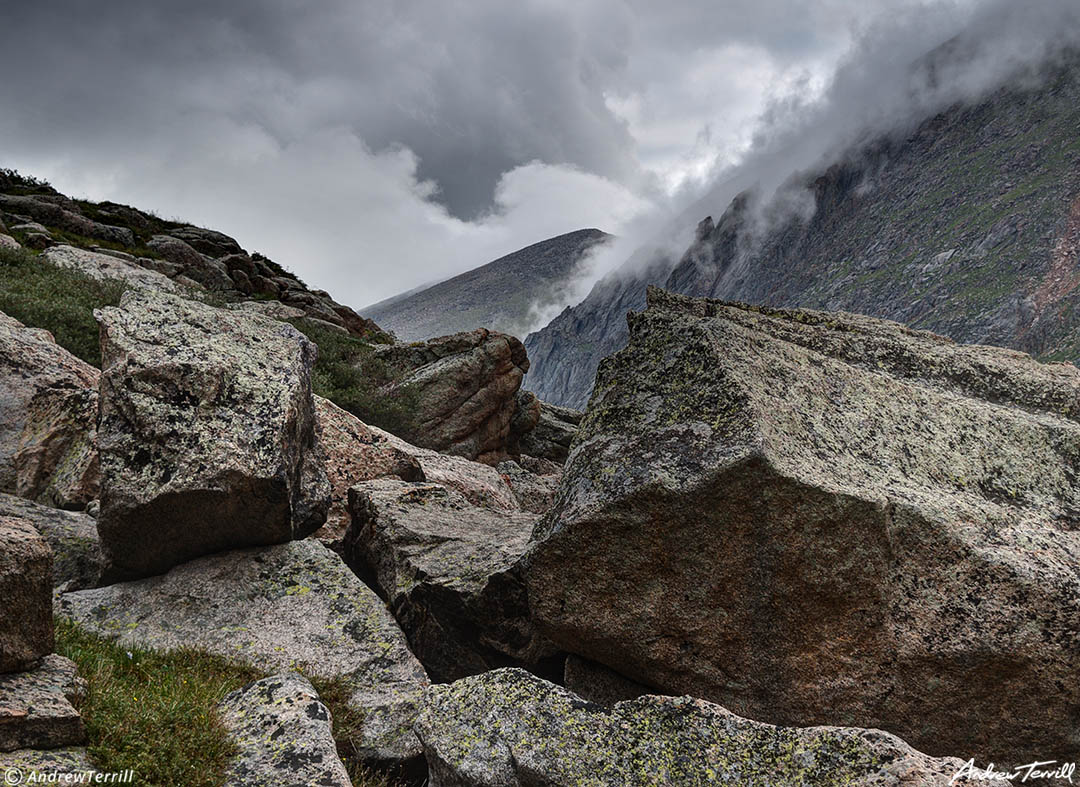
(59, 300)
(155, 712)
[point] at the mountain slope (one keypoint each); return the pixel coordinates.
(969, 226)
(502, 295)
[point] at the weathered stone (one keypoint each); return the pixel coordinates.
(194, 265)
(461, 389)
(36, 710)
(104, 267)
(358, 452)
(533, 492)
(553, 434)
(47, 423)
(8, 242)
(71, 535)
(207, 434)
(209, 242)
(511, 729)
(278, 607)
(64, 214)
(819, 517)
(45, 762)
(355, 452)
(596, 683)
(446, 568)
(26, 627)
(38, 240)
(283, 734)
(275, 310)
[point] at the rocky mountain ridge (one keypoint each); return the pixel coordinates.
(506, 295)
(967, 226)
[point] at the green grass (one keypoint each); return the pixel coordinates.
(59, 300)
(350, 375)
(155, 712)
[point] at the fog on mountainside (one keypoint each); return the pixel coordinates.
(893, 81)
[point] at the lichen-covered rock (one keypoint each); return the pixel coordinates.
(283, 735)
(47, 422)
(553, 433)
(534, 492)
(277, 607)
(818, 517)
(72, 536)
(462, 390)
(26, 625)
(209, 242)
(207, 433)
(355, 452)
(446, 568)
(36, 710)
(44, 762)
(105, 267)
(8, 242)
(508, 728)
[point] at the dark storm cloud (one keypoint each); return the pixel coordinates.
(473, 88)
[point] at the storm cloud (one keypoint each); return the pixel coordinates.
(372, 147)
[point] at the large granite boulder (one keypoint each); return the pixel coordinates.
(105, 267)
(26, 627)
(47, 422)
(446, 568)
(71, 535)
(461, 390)
(283, 735)
(511, 729)
(278, 608)
(36, 710)
(207, 433)
(817, 518)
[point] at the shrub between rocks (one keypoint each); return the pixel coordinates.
(349, 375)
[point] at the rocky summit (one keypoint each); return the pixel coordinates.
(817, 518)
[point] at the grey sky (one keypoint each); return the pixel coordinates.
(375, 146)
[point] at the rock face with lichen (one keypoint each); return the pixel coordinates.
(277, 607)
(462, 390)
(825, 518)
(36, 710)
(207, 433)
(71, 535)
(447, 569)
(26, 627)
(511, 729)
(282, 733)
(47, 421)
